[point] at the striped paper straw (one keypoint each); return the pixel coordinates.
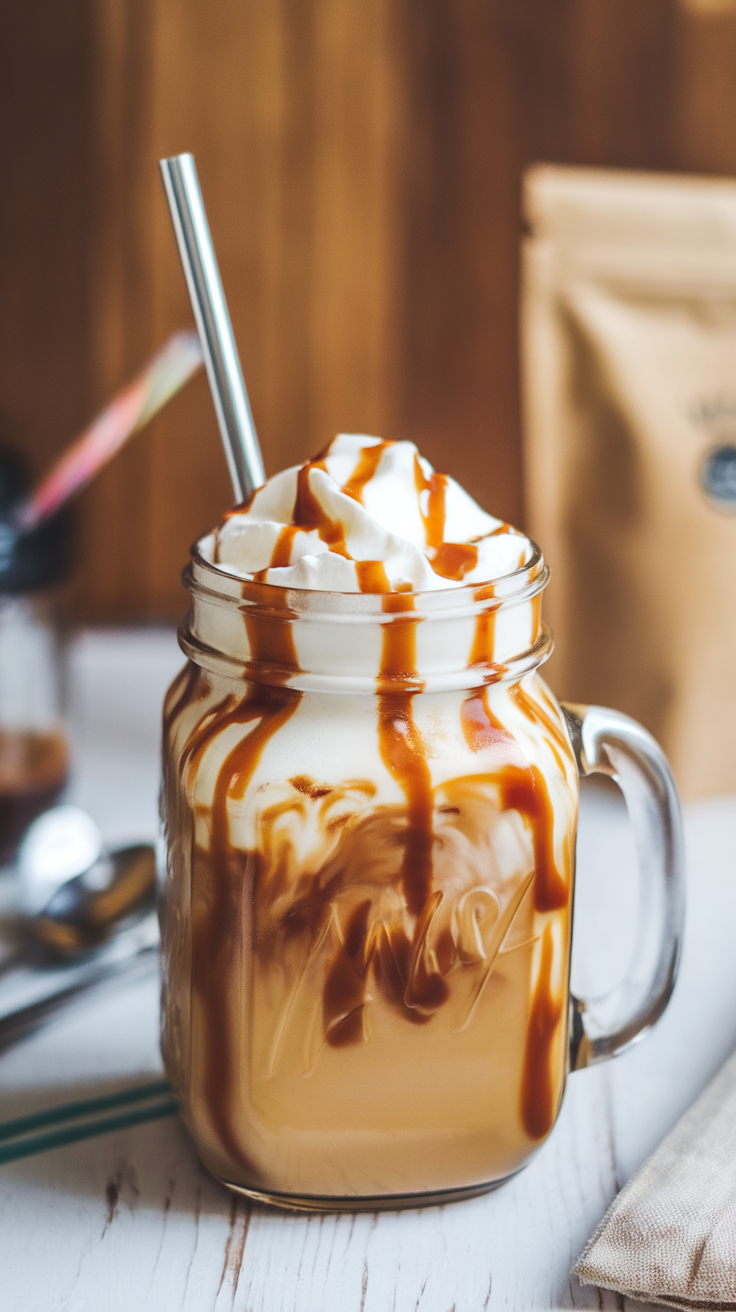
(129, 412)
(72, 1121)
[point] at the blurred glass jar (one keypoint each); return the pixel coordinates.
(34, 746)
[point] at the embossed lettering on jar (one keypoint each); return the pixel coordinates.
(371, 803)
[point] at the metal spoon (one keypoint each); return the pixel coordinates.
(60, 843)
(96, 925)
(88, 910)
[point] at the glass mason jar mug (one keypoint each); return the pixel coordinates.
(370, 807)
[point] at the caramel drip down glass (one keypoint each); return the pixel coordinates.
(370, 806)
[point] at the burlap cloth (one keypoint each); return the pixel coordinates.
(670, 1235)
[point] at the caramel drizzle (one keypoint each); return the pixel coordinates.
(538, 1100)
(281, 554)
(403, 755)
(392, 967)
(533, 712)
(409, 977)
(218, 930)
(434, 519)
(482, 729)
(482, 650)
(526, 791)
(411, 971)
(402, 749)
(401, 965)
(536, 604)
(181, 695)
(372, 576)
(270, 635)
(364, 471)
(343, 994)
(308, 513)
(204, 733)
(450, 560)
(453, 560)
(523, 788)
(242, 506)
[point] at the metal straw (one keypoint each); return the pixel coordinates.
(213, 322)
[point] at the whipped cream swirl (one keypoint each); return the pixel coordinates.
(367, 516)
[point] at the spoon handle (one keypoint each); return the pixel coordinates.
(30, 996)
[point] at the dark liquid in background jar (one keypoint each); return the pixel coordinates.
(34, 564)
(34, 768)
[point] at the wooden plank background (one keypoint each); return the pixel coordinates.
(361, 166)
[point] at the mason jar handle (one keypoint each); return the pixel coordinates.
(606, 742)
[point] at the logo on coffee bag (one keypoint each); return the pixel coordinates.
(718, 476)
(717, 415)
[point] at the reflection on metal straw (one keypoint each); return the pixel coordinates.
(213, 322)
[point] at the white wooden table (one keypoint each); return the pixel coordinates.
(131, 1221)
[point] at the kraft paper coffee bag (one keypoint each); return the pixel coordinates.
(629, 368)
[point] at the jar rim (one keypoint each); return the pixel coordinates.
(203, 576)
(308, 639)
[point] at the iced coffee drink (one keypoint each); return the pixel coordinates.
(370, 807)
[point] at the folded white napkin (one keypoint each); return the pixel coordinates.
(670, 1235)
